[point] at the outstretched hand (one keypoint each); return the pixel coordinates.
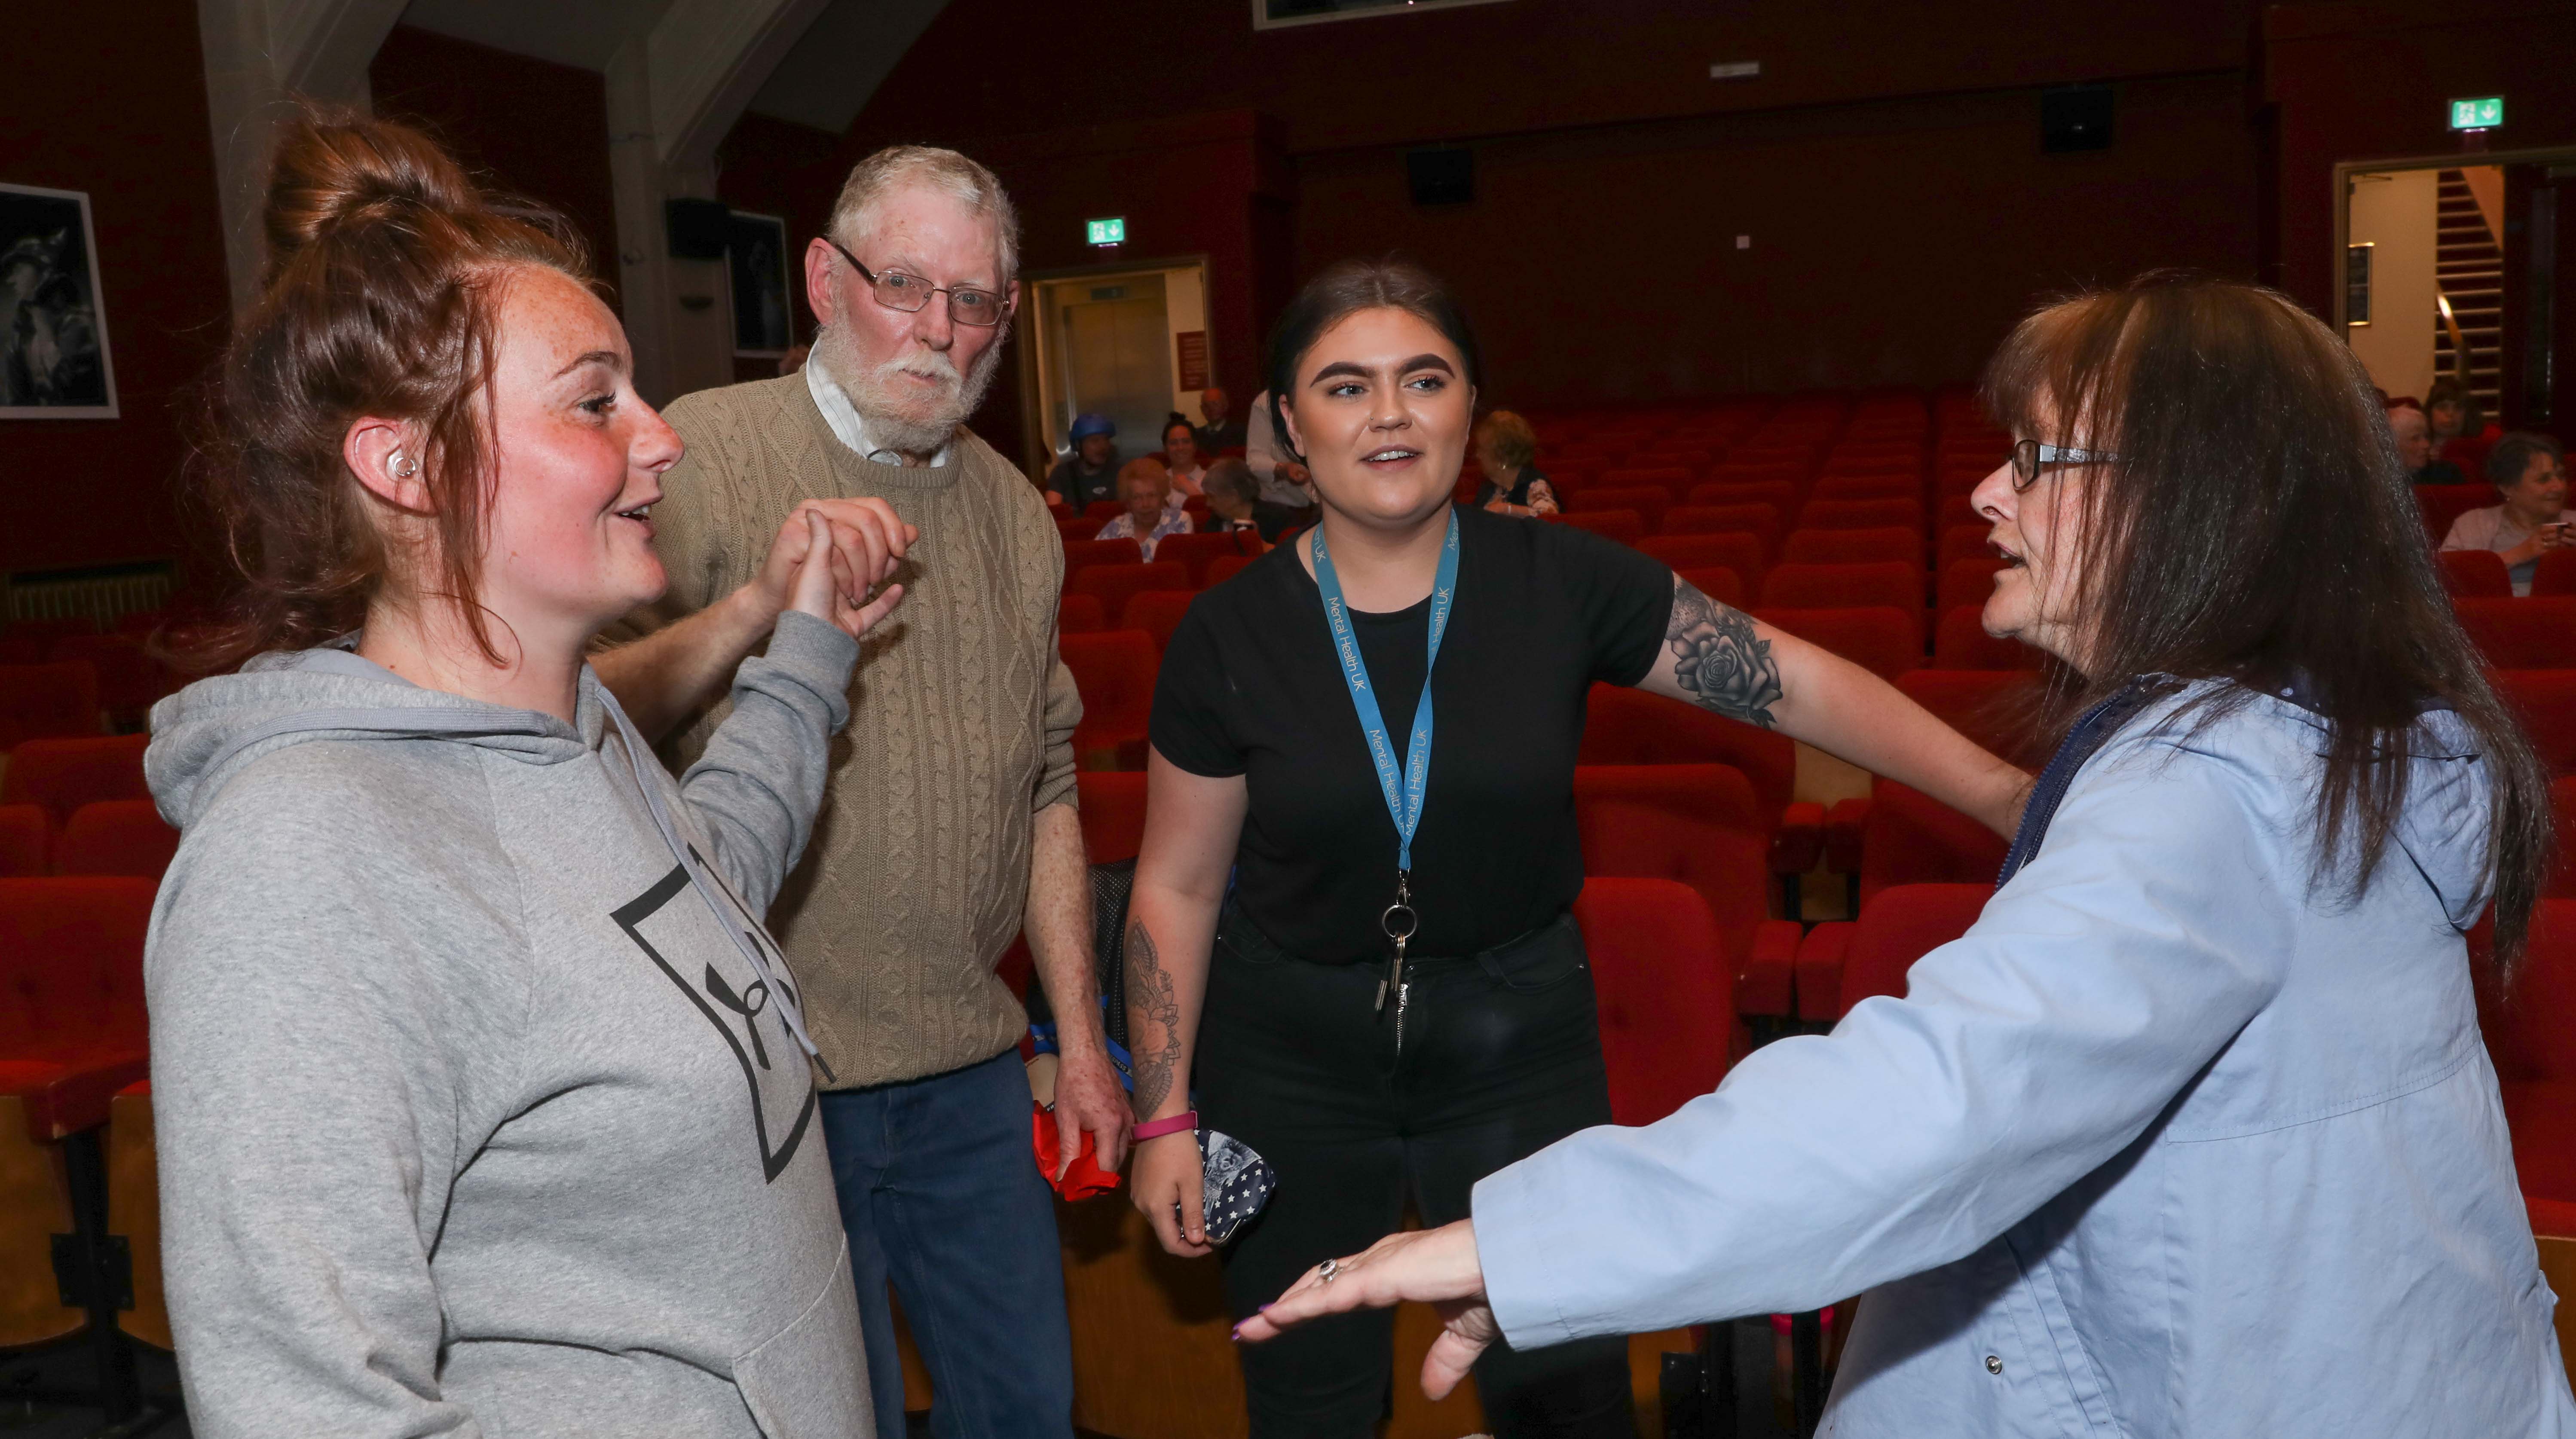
(1437, 1266)
(823, 587)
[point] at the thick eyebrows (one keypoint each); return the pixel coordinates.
(1358, 371)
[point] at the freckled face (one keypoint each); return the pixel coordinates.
(578, 459)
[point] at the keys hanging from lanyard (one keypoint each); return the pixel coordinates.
(1403, 790)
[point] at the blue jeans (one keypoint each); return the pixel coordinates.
(940, 1194)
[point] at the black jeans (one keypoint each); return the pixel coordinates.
(1501, 1056)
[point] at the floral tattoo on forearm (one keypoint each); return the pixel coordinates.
(1150, 997)
(1718, 659)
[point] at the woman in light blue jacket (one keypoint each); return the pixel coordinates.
(2192, 1134)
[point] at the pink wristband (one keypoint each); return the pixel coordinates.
(1157, 1128)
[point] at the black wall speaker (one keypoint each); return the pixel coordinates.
(697, 228)
(2074, 117)
(1441, 177)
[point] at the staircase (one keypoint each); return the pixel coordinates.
(2469, 274)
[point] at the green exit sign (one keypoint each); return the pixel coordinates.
(2485, 113)
(1112, 231)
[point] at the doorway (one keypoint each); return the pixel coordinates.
(1128, 342)
(2459, 268)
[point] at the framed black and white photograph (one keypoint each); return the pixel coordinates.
(53, 331)
(756, 256)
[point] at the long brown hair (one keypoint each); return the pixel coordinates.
(383, 278)
(2257, 527)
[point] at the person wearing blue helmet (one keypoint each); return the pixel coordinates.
(1091, 471)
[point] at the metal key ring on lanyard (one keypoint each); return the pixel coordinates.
(1403, 905)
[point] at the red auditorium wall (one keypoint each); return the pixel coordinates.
(1886, 166)
(532, 127)
(111, 99)
(2373, 82)
(778, 167)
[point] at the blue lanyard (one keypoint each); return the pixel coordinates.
(1403, 789)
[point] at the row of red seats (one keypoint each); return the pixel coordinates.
(119, 836)
(2481, 574)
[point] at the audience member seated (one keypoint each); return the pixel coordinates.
(1505, 445)
(1182, 460)
(1145, 490)
(2530, 472)
(1090, 472)
(1221, 432)
(1235, 503)
(1283, 476)
(2453, 412)
(2415, 446)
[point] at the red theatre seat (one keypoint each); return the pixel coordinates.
(2554, 574)
(1115, 673)
(2531, 1036)
(1103, 510)
(64, 774)
(2531, 634)
(1659, 977)
(1847, 961)
(1699, 824)
(2545, 701)
(1080, 615)
(1963, 542)
(1625, 526)
(1158, 613)
(1891, 584)
(1846, 485)
(2443, 504)
(1969, 582)
(1114, 585)
(1919, 840)
(26, 842)
(37, 701)
(1717, 582)
(1226, 567)
(116, 836)
(1113, 813)
(1861, 515)
(1762, 522)
(1631, 727)
(1196, 551)
(2475, 574)
(1080, 555)
(1780, 495)
(2562, 809)
(130, 681)
(1648, 501)
(1736, 550)
(71, 968)
(1667, 480)
(1855, 547)
(1961, 643)
(1885, 641)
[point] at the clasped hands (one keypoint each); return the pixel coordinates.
(829, 556)
(1437, 1266)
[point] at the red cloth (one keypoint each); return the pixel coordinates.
(1086, 1178)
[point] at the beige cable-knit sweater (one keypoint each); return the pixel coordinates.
(961, 725)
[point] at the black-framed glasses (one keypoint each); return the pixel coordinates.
(909, 293)
(2029, 455)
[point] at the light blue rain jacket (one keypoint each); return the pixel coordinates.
(2168, 1144)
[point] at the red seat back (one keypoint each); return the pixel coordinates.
(1885, 641)
(1900, 926)
(1861, 515)
(1880, 486)
(129, 679)
(1963, 541)
(1625, 526)
(1632, 727)
(71, 965)
(1114, 585)
(2545, 701)
(2562, 810)
(116, 836)
(37, 701)
(26, 841)
(2443, 504)
(2476, 574)
(1114, 671)
(1717, 582)
(2530, 634)
(1103, 510)
(1760, 521)
(1665, 991)
(2554, 573)
(1665, 480)
(1890, 584)
(2531, 1029)
(1854, 547)
(1780, 495)
(1113, 813)
(1196, 551)
(1080, 555)
(1080, 615)
(1700, 824)
(1999, 709)
(1961, 643)
(1969, 581)
(1157, 613)
(1649, 501)
(1736, 550)
(64, 774)
(1911, 838)
(1225, 567)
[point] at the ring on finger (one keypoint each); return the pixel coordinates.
(1330, 1268)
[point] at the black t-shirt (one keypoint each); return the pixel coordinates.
(1250, 687)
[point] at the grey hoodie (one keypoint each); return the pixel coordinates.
(481, 1102)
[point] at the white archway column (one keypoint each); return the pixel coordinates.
(673, 94)
(260, 54)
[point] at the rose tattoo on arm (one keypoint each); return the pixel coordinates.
(1718, 660)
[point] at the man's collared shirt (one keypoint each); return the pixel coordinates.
(848, 426)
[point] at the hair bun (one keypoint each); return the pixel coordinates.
(332, 168)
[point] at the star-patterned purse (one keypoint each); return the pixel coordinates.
(1238, 1183)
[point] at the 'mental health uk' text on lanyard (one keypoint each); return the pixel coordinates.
(1403, 789)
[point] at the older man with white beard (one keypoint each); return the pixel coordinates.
(952, 801)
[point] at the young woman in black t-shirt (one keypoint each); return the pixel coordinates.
(1262, 956)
